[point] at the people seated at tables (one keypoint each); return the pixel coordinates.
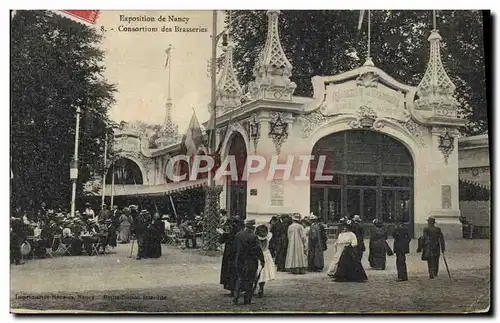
(188, 232)
(77, 244)
(166, 221)
(67, 236)
(37, 232)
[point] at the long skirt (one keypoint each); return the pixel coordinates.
(125, 234)
(315, 258)
(155, 248)
(269, 271)
(349, 269)
(377, 257)
(281, 251)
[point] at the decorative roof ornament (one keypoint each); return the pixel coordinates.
(228, 91)
(272, 69)
(169, 131)
(436, 90)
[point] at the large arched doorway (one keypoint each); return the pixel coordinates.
(237, 190)
(126, 172)
(372, 177)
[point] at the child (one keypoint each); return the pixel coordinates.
(269, 271)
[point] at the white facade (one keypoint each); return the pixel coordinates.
(272, 121)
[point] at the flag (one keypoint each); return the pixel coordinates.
(167, 52)
(361, 16)
(88, 16)
(193, 137)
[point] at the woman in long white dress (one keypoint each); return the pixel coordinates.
(345, 265)
(269, 271)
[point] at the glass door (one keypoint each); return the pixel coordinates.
(389, 210)
(369, 205)
(237, 199)
(353, 202)
(404, 206)
(334, 204)
(317, 202)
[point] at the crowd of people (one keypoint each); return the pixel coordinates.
(43, 232)
(252, 253)
(295, 244)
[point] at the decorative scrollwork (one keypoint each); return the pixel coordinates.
(446, 145)
(368, 79)
(278, 130)
(311, 121)
(254, 131)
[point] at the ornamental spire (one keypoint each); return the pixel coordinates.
(436, 89)
(228, 90)
(169, 131)
(272, 69)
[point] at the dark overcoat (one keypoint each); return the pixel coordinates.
(227, 273)
(401, 240)
(247, 256)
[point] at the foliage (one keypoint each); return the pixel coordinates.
(322, 42)
(56, 67)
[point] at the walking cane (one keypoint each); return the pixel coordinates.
(256, 282)
(132, 249)
(447, 268)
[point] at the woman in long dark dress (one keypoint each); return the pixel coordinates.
(378, 246)
(282, 243)
(112, 235)
(227, 274)
(346, 265)
(157, 230)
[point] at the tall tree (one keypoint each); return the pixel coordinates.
(56, 66)
(325, 42)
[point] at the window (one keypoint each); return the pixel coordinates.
(373, 177)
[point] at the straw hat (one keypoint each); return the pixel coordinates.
(296, 217)
(356, 218)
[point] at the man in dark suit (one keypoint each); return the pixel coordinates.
(247, 255)
(401, 248)
(431, 245)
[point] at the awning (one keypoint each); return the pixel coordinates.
(153, 190)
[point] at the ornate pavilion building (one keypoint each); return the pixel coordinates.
(393, 148)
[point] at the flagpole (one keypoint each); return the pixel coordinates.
(169, 70)
(369, 33)
(433, 19)
(104, 172)
(211, 148)
(74, 166)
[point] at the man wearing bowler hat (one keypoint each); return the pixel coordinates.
(431, 244)
(247, 255)
(401, 248)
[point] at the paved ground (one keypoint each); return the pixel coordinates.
(187, 280)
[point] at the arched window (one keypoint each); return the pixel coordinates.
(126, 172)
(372, 176)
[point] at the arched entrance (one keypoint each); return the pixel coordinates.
(236, 204)
(126, 172)
(372, 177)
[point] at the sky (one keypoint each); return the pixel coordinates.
(135, 62)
